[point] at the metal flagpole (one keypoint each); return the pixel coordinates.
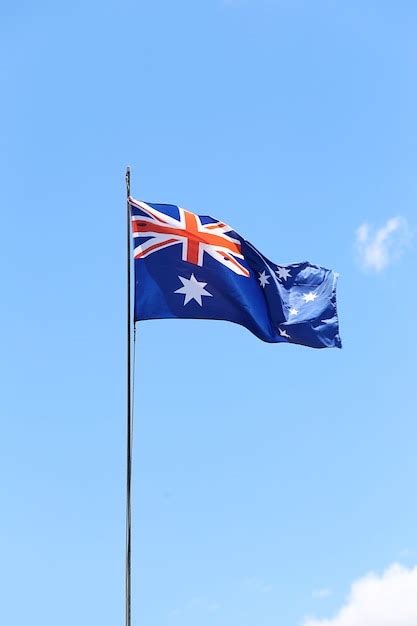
(129, 419)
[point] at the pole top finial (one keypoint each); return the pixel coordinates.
(127, 178)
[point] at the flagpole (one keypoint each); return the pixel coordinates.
(129, 418)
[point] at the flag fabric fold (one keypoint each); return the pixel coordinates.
(193, 266)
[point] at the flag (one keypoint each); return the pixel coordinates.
(193, 266)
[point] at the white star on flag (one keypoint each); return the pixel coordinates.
(264, 279)
(284, 333)
(282, 272)
(309, 297)
(293, 311)
(192, 290)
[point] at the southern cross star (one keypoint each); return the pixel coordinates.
(284, 333)
(282, 272)
(309, 297)
(293, 311)
(192, 290)
(264, 279)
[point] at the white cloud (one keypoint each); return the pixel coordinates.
(386, 600)
(379, 248)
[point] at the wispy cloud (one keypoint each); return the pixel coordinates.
(321, 593)
(389, 599)
(378, 248)
(406, 552)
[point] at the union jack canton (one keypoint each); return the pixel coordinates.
(193, 266)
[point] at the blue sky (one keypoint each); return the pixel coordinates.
(267, 478)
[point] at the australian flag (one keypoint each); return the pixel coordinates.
(193, 266)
